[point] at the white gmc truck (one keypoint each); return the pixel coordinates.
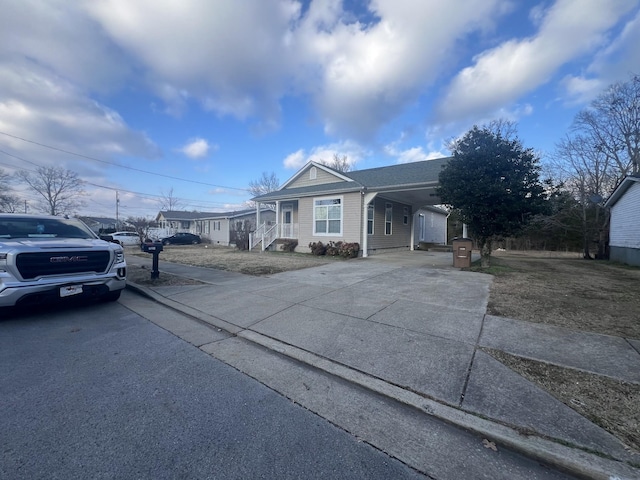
(47, 258)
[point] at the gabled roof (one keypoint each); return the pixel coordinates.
(335, 173)
(236, 213)
(394, 177)
(621, 189)
(188, 216)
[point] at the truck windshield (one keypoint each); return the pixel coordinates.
(34, 227)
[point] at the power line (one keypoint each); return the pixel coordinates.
(118, 165)
(140, 194)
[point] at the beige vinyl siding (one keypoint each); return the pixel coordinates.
(322, 177)
(401, 234)
(351, 221)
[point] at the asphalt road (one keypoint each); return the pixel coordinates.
(100, 392)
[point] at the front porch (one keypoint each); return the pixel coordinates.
(285, 228)
(265, 235)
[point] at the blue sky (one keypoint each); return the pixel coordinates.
(208, 94)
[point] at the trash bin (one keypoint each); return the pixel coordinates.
(462, 252)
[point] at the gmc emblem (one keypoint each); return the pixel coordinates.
(73, 259)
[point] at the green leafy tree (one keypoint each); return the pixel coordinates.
(493, 183)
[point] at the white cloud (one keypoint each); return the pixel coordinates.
(232, 56)
(569, 29)
(295, 160)
(325, 153)
(612, 64)
(37, 105)
(197, 148)
(413, 154)
(366, 74)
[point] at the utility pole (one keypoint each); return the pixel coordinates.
(117, 217)
(25, 207)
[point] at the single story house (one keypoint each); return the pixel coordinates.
(373, 207)
(624, 224)
(217, 227)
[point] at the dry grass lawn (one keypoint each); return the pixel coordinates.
(592, 296)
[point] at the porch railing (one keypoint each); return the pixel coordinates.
(266, 234)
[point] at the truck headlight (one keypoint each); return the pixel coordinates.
(119, 256)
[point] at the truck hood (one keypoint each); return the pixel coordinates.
(54, 243)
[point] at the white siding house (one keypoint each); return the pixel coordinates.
(624, 227)
(431, 225)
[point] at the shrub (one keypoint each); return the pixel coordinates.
(349, 250)
(318, 248)
(333, 249)
(289, 245)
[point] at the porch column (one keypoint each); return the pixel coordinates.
(366, 200)
(413, 231)
(278, 217)
(257, 215)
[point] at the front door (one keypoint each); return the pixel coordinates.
(287, 221)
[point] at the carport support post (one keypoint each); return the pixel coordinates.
(367, 198)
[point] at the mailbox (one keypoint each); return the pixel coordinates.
(152, 247)
(462, 248)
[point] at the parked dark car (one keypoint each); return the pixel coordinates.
(182, 238)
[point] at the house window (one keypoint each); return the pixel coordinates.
(313, 173)
(405, 215)
(327, 216)
(370, 212)
(185, 225)
(388, 218)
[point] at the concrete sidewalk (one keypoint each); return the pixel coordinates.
(409, 326)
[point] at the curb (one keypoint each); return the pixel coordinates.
(570, 460)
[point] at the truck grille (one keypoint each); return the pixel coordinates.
(32, 265)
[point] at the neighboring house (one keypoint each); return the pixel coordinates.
(431, 225)
(100, 224)
(217, 227)
(373, 207)
(624, 225)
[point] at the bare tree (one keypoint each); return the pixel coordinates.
(612, 122)
(169, 202)
(268, 182)
(339, 163)
(588, 175)
(142, 225)
(9, 203)
(61, 190)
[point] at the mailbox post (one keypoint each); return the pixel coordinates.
(153, 248)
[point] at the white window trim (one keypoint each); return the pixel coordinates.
(321, 234)
(388, 206)
(405, 215)
(371, 207)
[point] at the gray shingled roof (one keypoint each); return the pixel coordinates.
(415, 173)
(183, 215)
